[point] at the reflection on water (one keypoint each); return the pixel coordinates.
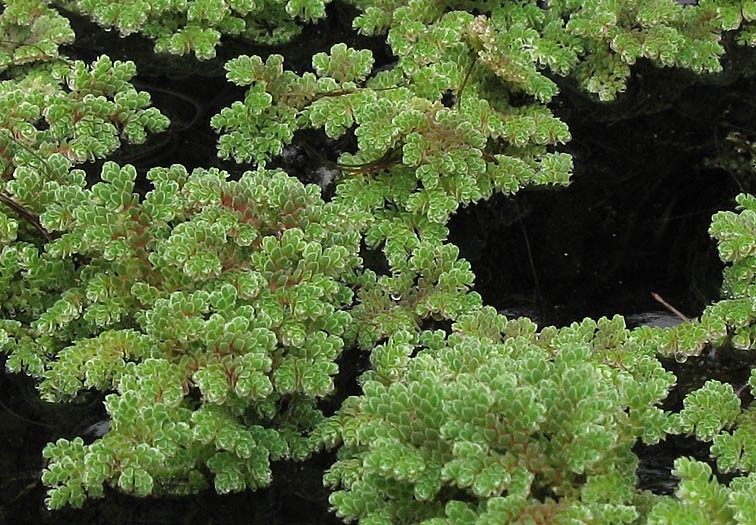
(660, 318)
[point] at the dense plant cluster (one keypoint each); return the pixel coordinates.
(211, 308)
(500, 423)
(196, 26)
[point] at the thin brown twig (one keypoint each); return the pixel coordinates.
(671, 308)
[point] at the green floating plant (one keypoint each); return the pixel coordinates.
(433, 157)
(418, 159)
(594, 41)
(431, 283)
(701, 499)
(196, 26)
(461, 114)
(50, 104)
(78, 111)
(707, 410)
(736, 450)
(214, 309)
(31, 32)
(496, 423)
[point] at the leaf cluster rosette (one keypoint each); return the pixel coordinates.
(595, 42)
(213, 309)
(50, 104)
(81, 112)
(426, 157)
(196, 26)
(499, 423)
(701, 498)
(31, 32)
